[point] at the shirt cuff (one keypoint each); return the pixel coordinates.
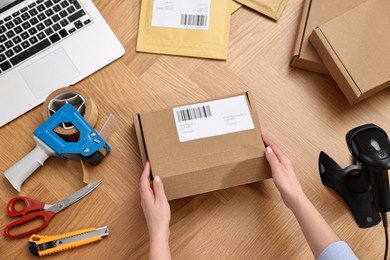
(337, 250)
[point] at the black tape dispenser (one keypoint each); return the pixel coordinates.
(364, 185)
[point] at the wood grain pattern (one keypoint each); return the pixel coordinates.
(302, 111)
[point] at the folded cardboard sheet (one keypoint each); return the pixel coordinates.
(203, 147)
(355, 49)
(315, 13)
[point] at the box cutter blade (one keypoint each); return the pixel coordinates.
(46, 245)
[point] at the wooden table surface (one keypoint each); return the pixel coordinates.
(303, 112)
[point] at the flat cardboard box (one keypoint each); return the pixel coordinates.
(315, 13)
(206, 164)
(355, 48)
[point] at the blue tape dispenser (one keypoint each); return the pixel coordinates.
(89, 147)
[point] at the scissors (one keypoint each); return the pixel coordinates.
(41, 210)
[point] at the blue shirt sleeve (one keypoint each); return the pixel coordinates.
(338, 250)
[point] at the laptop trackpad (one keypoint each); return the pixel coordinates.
(49, 73)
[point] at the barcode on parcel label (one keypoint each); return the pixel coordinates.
(190, 19)
(193, 113)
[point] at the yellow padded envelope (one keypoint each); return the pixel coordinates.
(270, 8)
(207, 43)
(235, 6)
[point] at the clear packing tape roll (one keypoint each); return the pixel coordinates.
(72, 97)
(87, 108)
(80, 100)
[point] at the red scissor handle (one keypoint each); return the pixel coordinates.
(29, 205)
(45, 215)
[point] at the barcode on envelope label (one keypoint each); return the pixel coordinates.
(193, 113)
(190, 19)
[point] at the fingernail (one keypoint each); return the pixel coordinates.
(156, 179)
(268, 149)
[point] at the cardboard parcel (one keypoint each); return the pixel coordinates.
(203, 147)
(315, 13)
(355, 49)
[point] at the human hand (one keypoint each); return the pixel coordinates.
(283, 174)
(155, 206)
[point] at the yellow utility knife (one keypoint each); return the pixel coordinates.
(46, 245)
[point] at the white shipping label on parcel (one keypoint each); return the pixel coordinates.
(218, 117)
(184, 14)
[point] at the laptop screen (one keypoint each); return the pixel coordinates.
(7, 4)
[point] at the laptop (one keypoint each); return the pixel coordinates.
(46, 45)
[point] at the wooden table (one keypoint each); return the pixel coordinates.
(301, 111)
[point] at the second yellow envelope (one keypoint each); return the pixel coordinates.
(271, 8)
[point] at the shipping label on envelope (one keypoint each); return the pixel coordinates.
(198, 28)
(186, 14)
(213, 118)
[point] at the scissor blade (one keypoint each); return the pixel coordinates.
(74, 197)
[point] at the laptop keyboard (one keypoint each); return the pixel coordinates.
(37, 26)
